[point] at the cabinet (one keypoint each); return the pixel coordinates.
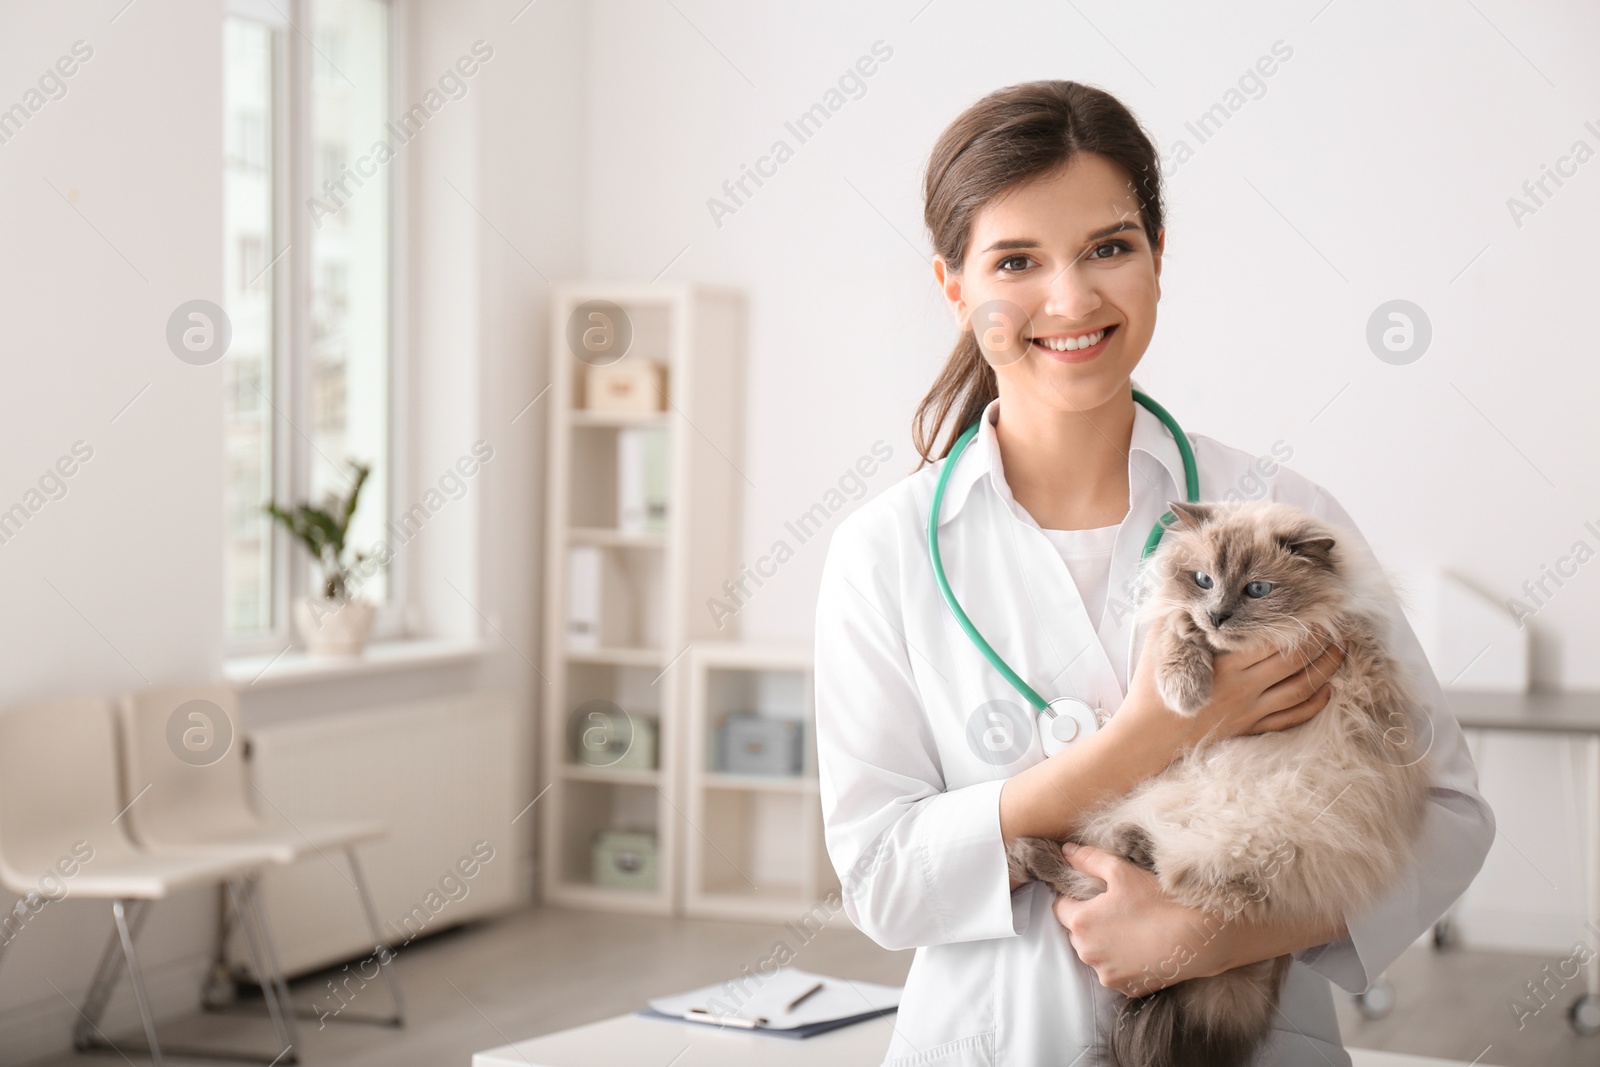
(649, 587)
(757, 848)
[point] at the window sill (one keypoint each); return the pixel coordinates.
(381, 657)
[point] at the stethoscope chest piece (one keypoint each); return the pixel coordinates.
(1063, 721)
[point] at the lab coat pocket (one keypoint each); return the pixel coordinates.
(974, 1051)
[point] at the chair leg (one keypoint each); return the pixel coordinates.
(252, 936)
(104, 983)
(137, 981)
(258, 910)
(216, 993)
(380, 943)
(129, 916)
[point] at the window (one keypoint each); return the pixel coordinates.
(250, 69)
(308, 240)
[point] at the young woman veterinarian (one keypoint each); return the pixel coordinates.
(1044, 204)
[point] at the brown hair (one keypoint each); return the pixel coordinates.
(1010, 137)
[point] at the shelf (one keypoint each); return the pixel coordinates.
(580, 772)
(294, 666)
(642, 590)
(601, 535)
(622, 657)
(754, 656)
(762, 783)
(759, 854)
(606, 418)
(606, 898)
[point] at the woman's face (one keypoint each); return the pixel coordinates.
(1050, 263)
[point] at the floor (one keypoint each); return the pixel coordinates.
(544, 969)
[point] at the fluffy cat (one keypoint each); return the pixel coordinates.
(1304, 823)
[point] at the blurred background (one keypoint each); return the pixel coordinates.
(602, 316)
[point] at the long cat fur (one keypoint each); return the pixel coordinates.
(1306, 823)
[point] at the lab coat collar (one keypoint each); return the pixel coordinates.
(1150, 439)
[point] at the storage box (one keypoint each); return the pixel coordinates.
(625, 859)
(748, 743)
(627, 387)
(599, 744)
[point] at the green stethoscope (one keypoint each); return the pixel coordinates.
(1070, 718)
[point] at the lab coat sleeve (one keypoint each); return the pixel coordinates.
(1456, 832)
(918, 864)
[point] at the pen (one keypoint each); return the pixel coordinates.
(729, 1020)
(795, 1003)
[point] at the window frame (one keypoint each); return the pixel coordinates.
(293, 162)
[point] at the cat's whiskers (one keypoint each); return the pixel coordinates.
(1305, 631)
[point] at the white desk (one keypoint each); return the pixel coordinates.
(631, 1040)
(1573, 716)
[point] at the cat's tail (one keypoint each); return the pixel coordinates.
(1203, 1022)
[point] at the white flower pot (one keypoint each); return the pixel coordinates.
(334, 627)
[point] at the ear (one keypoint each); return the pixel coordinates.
(1190, 515)
(949, 282)
(1316, 547)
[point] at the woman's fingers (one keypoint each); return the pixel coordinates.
(1299, 685)
(1295, 715)
(1096, 861)
(1282, 663)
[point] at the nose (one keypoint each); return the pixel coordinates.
(1220, 617)
(1073, 294)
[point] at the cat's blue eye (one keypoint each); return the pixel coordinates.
(1258, 589)
(1203, 580)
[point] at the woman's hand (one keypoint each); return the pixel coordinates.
(1136, 938)
(1254, 690)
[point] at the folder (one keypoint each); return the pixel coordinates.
(762, 1000)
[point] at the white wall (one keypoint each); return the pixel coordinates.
(119, 583)
(589, 147)
(88, 287)
(1376, 165)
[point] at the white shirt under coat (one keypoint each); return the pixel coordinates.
(911, 811)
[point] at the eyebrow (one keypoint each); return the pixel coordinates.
(1025, 242)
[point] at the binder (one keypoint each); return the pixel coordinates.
(641, 480)
(839, 1003)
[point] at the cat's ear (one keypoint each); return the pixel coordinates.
(1316, 547)
(1192, 516)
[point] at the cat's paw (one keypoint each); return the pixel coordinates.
(1079, 885)
(1034, 858)
(1186, 687)
(1019, 854)
(1135, 846)
(1184, 667)
(1039, 859)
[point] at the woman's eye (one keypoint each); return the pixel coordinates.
(1258, 589)
(1012, 259)
(1122, 245)
(1203, 580)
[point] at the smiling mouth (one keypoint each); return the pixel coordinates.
(1073, 342)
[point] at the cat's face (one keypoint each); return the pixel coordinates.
(1249, 572)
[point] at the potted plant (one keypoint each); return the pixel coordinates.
(334, 623)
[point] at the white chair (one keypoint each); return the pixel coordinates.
(59, 812)
(204, 805)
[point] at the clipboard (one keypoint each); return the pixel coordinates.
(838, 1003)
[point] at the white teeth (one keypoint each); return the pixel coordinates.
(1072, 344)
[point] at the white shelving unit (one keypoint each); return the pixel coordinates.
(698, 334)
(758, 850)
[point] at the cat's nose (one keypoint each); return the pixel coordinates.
(1220, 617)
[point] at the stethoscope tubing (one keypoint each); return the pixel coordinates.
(1192, 489)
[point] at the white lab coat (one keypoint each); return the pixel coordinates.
(911, 809)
